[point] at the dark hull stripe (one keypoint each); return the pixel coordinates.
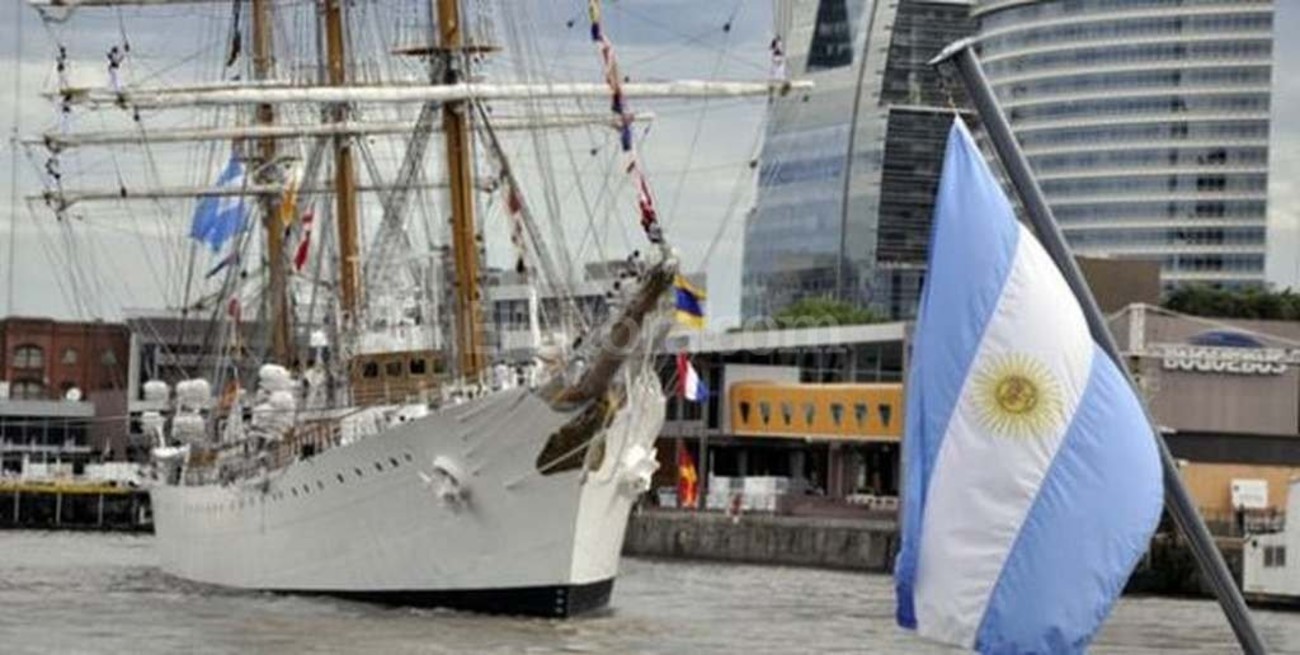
(551, 601)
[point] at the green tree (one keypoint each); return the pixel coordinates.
(1211, 302)
(823, 312)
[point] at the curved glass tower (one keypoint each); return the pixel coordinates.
(849, 170)
(1147, 123)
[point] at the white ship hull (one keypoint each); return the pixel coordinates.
(365, 521)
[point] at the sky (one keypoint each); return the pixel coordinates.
(110, 256)
(107, 257)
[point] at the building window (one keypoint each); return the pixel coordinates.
(109, 358)
(29, 356)
(370, 370)
(1274, 556)
(69, 355)
(837, 413)
(394, 369)
(418, 366)
(27, 390)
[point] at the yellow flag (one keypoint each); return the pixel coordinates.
(289, 201)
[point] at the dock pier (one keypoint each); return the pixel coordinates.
(74, 506)
(867, 545)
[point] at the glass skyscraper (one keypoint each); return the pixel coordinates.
(849, 170)
(1150, 125)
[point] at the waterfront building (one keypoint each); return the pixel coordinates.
(1226, 393)
(170, 346)
(824, 406)
(1159, 128)
(819, 406)
(849, 170)
(62, 392)
(507, 293)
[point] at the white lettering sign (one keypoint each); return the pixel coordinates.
(1233, 361)
(1250, 494)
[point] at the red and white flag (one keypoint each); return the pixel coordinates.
(304, 240)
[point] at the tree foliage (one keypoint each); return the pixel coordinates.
(1202, 300)
(823, 312)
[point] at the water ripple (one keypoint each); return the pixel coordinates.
(88, 593)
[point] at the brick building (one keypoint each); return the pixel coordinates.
(41, 361)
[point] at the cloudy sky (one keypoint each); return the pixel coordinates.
(108, 256)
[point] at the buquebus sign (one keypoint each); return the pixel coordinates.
(1234, 361)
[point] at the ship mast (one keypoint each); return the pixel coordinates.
(455, 127)
(344, 180)
(263, 69)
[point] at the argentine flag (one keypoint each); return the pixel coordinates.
(217, 218)
(1032, 482)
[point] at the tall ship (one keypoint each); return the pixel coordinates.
(375, 449)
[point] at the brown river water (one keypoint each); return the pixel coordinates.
(98, 593)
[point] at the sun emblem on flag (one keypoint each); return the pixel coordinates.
(1017, 396)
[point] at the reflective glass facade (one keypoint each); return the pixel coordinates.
(1148, 123)
(849, 170)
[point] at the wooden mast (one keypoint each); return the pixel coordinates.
(263, 68)
(455, 127)
(344, 180)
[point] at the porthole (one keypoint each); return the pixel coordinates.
(393, 461)
(295, 492)
(379, 467)
(320, 485)
(340, 477)
(407, 457)
(358, 472)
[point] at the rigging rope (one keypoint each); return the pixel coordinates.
(618, 105)
(704, 110)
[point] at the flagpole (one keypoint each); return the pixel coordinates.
(1178, 501)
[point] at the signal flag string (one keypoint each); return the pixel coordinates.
(618, 105)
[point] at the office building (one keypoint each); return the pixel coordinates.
(1158, 128)
(849, 169)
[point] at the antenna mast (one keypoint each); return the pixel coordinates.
(263, 67)
(455, 127)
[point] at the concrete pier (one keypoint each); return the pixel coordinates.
(73, 506)
(1169, 569)
(857, 544)
(836, 543)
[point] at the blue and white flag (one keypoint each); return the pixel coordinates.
(217, 218)
(1032, 484)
